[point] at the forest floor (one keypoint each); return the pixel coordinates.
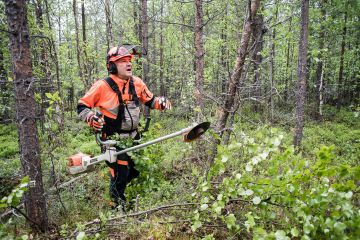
(248, 191)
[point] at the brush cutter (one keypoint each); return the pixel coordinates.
(80, 162)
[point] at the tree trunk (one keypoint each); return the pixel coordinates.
(341, 68)
(145, 40)
(137, 20)
(35, 203)
(161, 76)
(319, 69)
(224, 61)
(57, 69)
(86, 61)
(301, 73)
(199, 58)
(257, 58)
(234, 81)
(109, 34)
(288, 65)
(153, 55)
(240, 61)
(78, 47)
(46, 85)
(145, 48)
(272, 68)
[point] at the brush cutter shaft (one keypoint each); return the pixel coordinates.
(160, 139)
(80, 162)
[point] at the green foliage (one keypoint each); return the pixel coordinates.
(301, 197)
(9, 158)
(8, 141)
(257, 186)
(344, 139)
(148, 162)
(11, 201)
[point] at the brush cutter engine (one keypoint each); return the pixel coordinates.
(80, 162)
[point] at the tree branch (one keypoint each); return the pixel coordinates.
(173, 23)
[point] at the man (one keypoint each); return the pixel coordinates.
(117, 97)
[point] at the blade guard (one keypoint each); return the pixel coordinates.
(77, 163)
(196, 132)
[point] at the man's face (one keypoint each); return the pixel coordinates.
(124, 68)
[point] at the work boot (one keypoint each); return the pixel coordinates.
(119, 207)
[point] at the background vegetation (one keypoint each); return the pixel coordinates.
(258, 186)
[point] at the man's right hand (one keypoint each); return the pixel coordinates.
(94, 121)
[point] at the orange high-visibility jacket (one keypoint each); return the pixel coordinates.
(103, 97)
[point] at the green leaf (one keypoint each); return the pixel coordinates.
(24, 237)
(349, 194)
(25, 179)
(356, 172)
(205, 200)
(294, 232)
(203, 207)
(339, 227)
(248, 168)
(308, 227)
(256, 200)
(10, 199)
(259, 233)
(48, 95)
(224, 158)
(205, 188)
(218, 210)
(281, 235)
(209, 237)
(3, 205)
(197, 224)
(230, 221)
(249, 192)
(276, 142)
(250, 222)
(81, 236)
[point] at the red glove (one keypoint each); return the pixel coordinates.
(164, 103)
(95, 121)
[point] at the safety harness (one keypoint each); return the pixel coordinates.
(114, 125)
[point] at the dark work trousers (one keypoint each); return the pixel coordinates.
(123, 174)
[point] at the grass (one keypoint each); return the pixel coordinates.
(169, 170)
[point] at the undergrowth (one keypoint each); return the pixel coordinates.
(257, 187)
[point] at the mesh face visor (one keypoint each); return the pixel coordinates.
(116, 53)
(125, 50)
(133, 49)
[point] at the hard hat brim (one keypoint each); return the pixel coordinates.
(115, 58)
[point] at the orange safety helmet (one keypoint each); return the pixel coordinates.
(121, 51)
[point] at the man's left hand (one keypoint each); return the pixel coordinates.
(164, 103)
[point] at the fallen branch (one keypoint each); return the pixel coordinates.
(150, 211)
(160, 208)
(63, 185)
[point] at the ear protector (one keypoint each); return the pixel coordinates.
(111, 66)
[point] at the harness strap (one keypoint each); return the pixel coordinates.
(132, 91)
(121, 114)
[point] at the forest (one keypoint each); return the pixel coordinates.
(274, 85)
